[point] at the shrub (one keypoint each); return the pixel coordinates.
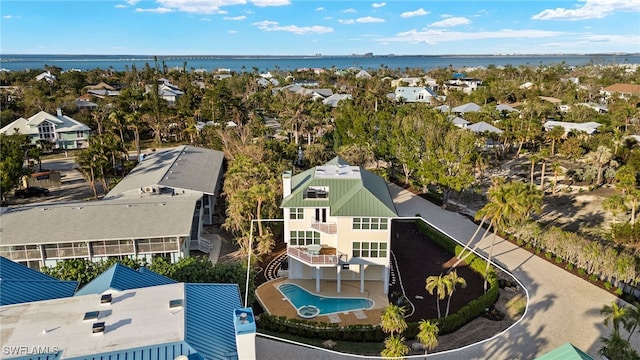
(618, 291)
(548, 255)
(569, 266)
(559, 260)
(607, 285)
(593, 278)
(582, 271)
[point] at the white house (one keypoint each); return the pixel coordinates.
(588, 127)
(412, 94)
(62, 131)
(337, 224)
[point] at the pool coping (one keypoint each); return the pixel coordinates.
(373, 303)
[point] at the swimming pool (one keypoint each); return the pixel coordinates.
(299, 297)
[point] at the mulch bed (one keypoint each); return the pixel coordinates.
(418, 258)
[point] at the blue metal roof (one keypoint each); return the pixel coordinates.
(120, 277)
(20, 284)
(209, 318)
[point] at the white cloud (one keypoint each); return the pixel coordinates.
(432, 36)
(591, 9)
(378, 5)
(265, 3)
(451, 21)
(132, 2)
(350, 10)
(200, 6)
(362, 20)
(120, 6)
(232, 32)
(205, 19)
(320, 8)
(8, 17)
(419, 12)
(267, 25)
(160, 10)
(369, 19)
(235, 18)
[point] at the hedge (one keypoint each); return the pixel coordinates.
(371, 333)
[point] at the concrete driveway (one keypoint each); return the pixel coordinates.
(562, 308)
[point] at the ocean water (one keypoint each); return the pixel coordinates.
(266, 63)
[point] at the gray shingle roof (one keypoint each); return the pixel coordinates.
(153, 216)
(182, 168)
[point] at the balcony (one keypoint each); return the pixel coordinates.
(315, 254)
(324, 227)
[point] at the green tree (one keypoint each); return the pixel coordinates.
(601, 156)
(454, 280)
(614, 314)
(428, 335)
(395, 347)
(442, 287)
(12, 152)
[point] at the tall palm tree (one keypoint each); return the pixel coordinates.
(428, 335)
(392, 320)
(615, 314)
(601, 156)
(441, 285)
(454, 281)
(631, 319)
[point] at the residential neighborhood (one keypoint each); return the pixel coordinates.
(194, 215)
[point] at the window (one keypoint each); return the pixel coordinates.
(370, 249)
(79, 134)
(296, 214)
(305, 238)
(370, 223)
(46, 131)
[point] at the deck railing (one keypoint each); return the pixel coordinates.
(304, 255)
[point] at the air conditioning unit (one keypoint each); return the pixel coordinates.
(151, 189)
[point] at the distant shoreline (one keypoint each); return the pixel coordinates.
(238, 56)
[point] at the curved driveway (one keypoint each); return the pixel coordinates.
(562, 308)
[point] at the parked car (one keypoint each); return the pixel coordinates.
(31, 192)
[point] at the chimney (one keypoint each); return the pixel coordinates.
(59, 112)
(286, 184)
(245, 326)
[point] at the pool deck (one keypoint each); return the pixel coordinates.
(274, 303)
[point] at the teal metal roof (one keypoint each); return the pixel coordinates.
(565, 352)
(120, 277)
(362, 193)
(20, 284)
(209, 318)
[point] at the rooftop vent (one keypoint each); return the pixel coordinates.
(106, 299)
(91, 315)
(98, 328)
(176, 303)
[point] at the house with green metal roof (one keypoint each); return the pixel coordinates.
(566, 351)
(337, 222)
(166, 322)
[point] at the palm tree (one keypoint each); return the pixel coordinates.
(509, 203)
(441, 285)
(392, 320)
(615, 314)
(601, 156)
(631, 320)
(617, 348)
(394, 348)
(454, 281)
(428, 335)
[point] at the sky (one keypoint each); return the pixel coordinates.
(308, 27)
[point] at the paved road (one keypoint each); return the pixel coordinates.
(562, 308)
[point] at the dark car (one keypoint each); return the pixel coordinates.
(31, 192)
